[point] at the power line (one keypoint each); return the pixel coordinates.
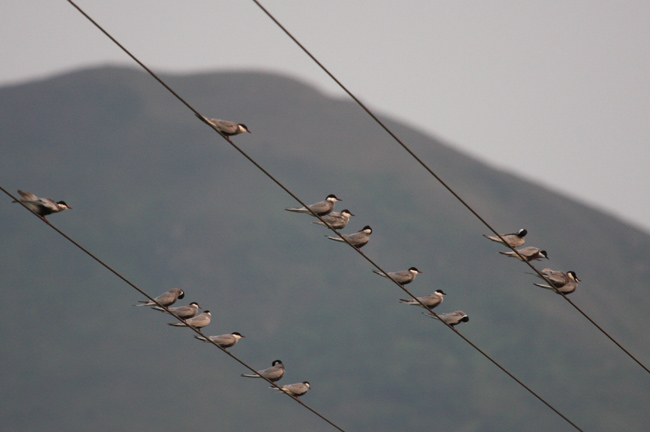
(445, 185)
(132, 285)
(303, 204)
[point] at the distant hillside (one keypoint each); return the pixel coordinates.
(159, 196)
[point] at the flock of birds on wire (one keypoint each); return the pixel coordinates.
(563, 282)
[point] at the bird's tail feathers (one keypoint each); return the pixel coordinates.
(179, 324)
(201, 338)
(379, 273)
(544, 286)
(203, 119)
(338, 239)
(251, 376)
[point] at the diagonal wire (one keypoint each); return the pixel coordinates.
(443, 183)
(196, 330)
(203, 119)
(297, 199)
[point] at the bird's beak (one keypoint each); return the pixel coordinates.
(249, 131)
(352, 214)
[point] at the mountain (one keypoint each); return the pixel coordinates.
(166, 202)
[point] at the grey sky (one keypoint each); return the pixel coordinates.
(558, 92)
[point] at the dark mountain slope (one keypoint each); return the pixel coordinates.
(168, 203)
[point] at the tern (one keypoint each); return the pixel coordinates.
(451, 318)
(430, 301)
(297, 389)
(166, 299)
(42, 206)
(565, 283)
(358, 239)
(184, 312)
(513, 239)
(403, 277)
(227, 128)
(336, 220)
(529, 253)
(224, 340)
(197, 322)
(321, 208)
(274, 373)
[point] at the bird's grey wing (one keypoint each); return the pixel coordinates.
(291, 388)
(402, 275)
(184, 311)
(455, 316)
(224, 340)
(167, 298)
(356, 238)
(28, 196)
(321, 207)
(334, 219)
(558, 278)
(201, 320)
(530, 251)
(225, 126)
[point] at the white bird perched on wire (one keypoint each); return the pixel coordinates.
(513, 239)
(42, 206)
(403, 277)
(184, 312)
(451, 318)
(167, 298)
(296, 390)
(358, 239)
(336, 220)
(197, 322)
(227, 128)
(273, 374)
(565, 283)
(529, 253)
(224, 340)
(429, 301)
(321, 208)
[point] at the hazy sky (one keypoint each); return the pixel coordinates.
(556, 91)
